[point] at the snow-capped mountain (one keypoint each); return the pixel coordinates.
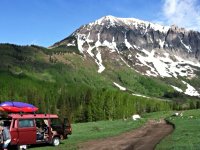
(148, 48)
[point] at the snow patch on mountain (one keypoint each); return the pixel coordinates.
(165, 66)
(161, 43)
(128, 45)
(71, 44)
(98, 43)
(99, 62)
(187, 47)
(80, 42)
(119, 86)
(140, 95)
(112, 46)
(183, 61)
(81, 39)
(160, 68)
(190, 90)
(125, 62)
(177, 89)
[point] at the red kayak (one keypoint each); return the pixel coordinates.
(15, 107)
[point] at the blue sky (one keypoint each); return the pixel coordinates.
(44, 22)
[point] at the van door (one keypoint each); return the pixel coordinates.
(14, 132)
(27, 131)
(56, 125)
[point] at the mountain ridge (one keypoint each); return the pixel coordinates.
(128, 34)
(147, 48)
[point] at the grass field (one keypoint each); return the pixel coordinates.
(186, 134)
(94, 130)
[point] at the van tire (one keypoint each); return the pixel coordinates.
(19, 147)
(56, 141)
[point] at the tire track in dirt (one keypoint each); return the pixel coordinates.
(144, 138)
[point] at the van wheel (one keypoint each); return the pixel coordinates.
(56, 141)
(21, 147)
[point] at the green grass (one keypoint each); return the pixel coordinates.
(94, 130)
(157, 115)
(186, 134)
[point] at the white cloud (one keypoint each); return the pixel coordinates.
(184, 13)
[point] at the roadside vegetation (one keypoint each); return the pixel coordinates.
(186, 134)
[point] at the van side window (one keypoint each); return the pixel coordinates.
(24, 123)
(56, 121)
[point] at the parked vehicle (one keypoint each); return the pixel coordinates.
(28, 129)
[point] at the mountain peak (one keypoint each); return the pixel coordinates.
(105, 19)
(109, 17)
(129, 22)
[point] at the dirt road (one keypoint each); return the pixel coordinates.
(144, 138)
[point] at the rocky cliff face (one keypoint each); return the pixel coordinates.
(148, 48)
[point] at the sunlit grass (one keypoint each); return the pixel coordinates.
(186, 134)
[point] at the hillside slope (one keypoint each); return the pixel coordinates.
(63, 82)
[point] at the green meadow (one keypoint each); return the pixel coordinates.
(186, 134)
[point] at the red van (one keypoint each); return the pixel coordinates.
(27, 129)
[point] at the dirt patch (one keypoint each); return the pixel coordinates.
(144, 138)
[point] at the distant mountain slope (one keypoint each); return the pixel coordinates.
(145, 47)
(59, 65)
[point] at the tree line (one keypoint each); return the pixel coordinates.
(81, 103)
